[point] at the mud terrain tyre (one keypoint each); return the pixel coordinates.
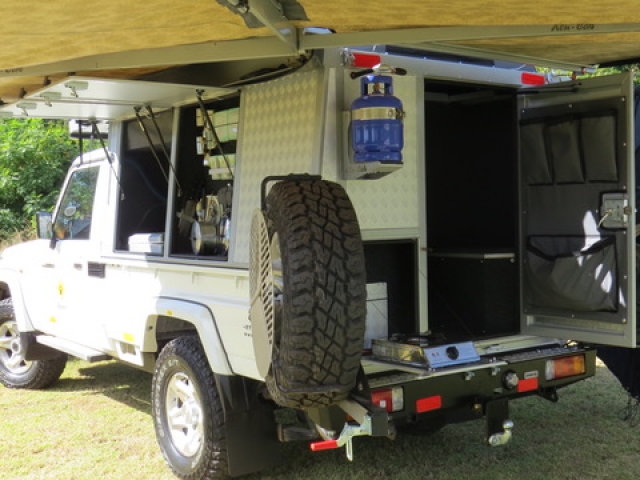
(6, 309)
(319, 330)
(15, 371)
(187, 412)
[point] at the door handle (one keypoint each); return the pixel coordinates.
(48, 265)
(77, 266)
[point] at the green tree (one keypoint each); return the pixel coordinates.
(599, 72)
(34, 156)
(633, 68)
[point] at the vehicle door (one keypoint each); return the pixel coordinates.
(577, 204)
(77, 279)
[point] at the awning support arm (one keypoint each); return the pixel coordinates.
(270, 13)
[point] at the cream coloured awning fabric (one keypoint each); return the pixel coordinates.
(39, 32)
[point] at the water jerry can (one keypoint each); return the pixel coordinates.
(376, 122)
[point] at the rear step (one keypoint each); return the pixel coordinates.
(79, 351)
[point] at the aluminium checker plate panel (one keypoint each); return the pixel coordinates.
(280, 132)
(393, 201)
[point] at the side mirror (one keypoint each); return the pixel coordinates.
(44, 224)
(70, 211)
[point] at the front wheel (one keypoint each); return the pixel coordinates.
(187, 412)
(15, 370)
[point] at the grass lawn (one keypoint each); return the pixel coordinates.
(95, 423)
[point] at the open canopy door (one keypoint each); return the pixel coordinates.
(577, 198)
(103, 99)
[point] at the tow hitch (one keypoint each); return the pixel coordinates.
(368, 419)
(501, 438)
(498, 424)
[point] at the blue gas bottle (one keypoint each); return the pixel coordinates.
(376, 122)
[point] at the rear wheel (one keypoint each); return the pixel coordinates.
(15, 370)
(187, 412)
(317, 261)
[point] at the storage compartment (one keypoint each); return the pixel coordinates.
(203, 192)
(205, 171)
(473, 295)
(471, 177)
(144, 181)
(392, 279)
(377, 323)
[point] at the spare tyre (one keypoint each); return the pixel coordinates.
(320, 293)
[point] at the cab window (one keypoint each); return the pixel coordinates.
(73, 220)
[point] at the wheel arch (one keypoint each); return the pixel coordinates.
(174, 312)
(10, 286)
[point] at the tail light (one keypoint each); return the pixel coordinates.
(391, 399)
(565, 367)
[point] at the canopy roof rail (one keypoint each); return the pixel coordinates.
(466, 51)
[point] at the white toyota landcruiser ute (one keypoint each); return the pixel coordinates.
(402, 246)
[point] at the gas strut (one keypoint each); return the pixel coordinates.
(152, 115)
(207, 119)
(143, 128)
(96, 133)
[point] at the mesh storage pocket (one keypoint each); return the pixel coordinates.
(598, 138)
(574, 273)
(564, 147)
(534, 155)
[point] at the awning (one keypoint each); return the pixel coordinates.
(45, 41)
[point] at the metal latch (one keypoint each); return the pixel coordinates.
(614, 211)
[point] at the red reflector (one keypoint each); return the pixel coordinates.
(528, 384)
(428, 403)
(365, 61)
(528, 78)
(324, 445)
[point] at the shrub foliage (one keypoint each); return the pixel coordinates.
(34, 157)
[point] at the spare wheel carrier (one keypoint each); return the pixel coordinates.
(308, 292)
